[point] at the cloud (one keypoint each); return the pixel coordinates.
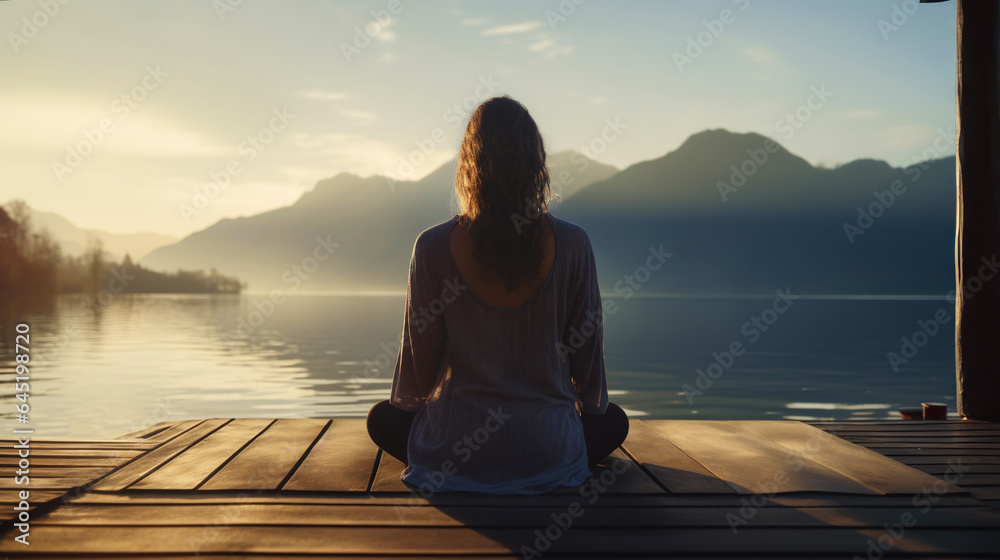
(541, 45)
(548, 47)
(348, 152)
(47, 125)
(322, 95)
(151, 137)
(363, 156)
(512, 29)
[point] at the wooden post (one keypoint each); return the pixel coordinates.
(977, 242)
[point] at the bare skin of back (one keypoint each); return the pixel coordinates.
(491, 288)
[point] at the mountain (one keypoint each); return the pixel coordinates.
(738, 211)
(719, 172)
(570, 171)
(742, 214)
(374, 220)
(73, 241)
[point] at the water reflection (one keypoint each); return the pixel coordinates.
(105, 371)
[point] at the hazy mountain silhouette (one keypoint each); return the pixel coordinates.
(374, 220)
(735, 222)
(73, 240)
(784, 226)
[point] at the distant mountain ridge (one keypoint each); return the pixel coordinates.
(717, 171)
(740, 212)
(73, 240)
(374, 220)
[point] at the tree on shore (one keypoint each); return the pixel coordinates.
(32, 265)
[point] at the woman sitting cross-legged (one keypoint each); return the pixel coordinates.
(500, 382)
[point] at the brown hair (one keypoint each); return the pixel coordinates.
(502, 185)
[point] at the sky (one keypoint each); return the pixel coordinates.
(169, 116)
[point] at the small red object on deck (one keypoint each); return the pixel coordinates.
(935, 411)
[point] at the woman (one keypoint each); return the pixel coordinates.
(503, 343)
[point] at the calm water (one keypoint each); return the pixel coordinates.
(147, 359)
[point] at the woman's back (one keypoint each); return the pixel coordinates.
(496, 386)
(485, 283)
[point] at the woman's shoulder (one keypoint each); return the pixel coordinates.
(434, 238)
(570, 233)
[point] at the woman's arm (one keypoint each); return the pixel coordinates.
(583, 343)
(424, 336)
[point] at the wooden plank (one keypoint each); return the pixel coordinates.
(921, 430)
(86, 444)
(270, 457)
(853, 461)
(512, 516)
(950, 446)
(341, 461)
(619, 474)
(339, 557)
(613, 542)
(921, 440)
(7, 483)
(673, 468)
(945, 459)
(970, 468)
(68, 472)
(898, 421)
(973, 479)
(986, 493)
(188, 469)
(905, 436)
(163, 431)
(148, 431)
(68, 461)
(387, 476)
(55, 453)
(907, 426)
(140, 467)
(34, 496)
(939, 435)
(892, 451)
(153, 497)
(175, 430)
(752, 464)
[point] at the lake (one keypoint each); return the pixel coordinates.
(143, 359)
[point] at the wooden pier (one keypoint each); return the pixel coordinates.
(271, 488)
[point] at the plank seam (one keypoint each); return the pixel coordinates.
(305, 454)
(371, 479)
(231, 457)
(735, 487)
(116, 468)
(641, 466)
(172, 457)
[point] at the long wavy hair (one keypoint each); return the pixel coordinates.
(502, 185)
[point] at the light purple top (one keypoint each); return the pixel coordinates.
(496, 391)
